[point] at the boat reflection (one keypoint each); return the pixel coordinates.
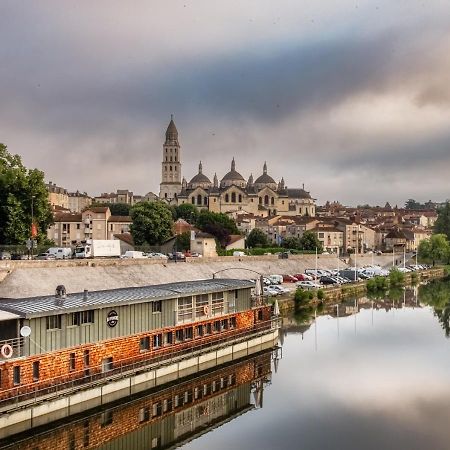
(164, 418)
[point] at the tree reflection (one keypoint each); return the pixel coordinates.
(437, 295)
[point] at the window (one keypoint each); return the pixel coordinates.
(189, 333)
(185, 308)
(106, 418)
(266, 199)
(16, 375)
(53, 322)
(157, 306)
(168, 338)
(199, 199)
(144, 343)
(72, 362)
(217, 303)
(144, 414)
(107, 364)
(208, 328)
(179, 336)
(78, 226)
(36, 371)
(224, 324)
(227, 198)
(240, 198)
(157, 340)
(193, 200)
(205, 201)
(232, 322)
(217, 326)
(199, 330)
(201, 305)
(233, 197)
(232, 302)
(81, 318)
(321, 235)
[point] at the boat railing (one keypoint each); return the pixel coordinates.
(90, 376)
(11, 348)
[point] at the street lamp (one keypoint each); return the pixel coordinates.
(32, 225)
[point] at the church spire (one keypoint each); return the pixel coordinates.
(250, 180)
(216, 181)
(265, 167)
(233, 165)
(200, 168)
(171, 132)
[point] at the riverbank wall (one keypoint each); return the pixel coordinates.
(337, 294)
(20, 279)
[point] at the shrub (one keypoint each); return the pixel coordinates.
(320, 294)
(396, 278)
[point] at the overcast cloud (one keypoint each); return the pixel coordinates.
(350, 98)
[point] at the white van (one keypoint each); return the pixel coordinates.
(276, 279)
(60, 252)
(133, 254)
(239, 253)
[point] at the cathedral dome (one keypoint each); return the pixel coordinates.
(200, 180)
(265, 180)
(233, 177)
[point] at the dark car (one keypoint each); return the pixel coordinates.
(177, 256)
(327, 280)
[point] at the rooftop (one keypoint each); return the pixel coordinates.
(52, 305)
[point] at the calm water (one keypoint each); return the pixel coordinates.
(378, 379)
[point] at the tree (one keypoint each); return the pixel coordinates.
(309, 241)
(23, 195)
(436, 248)
(188, 212)
(184, 241)
(412, 204)
(152, 223)
(442, 224)
(292, 243)
(257, 238)
(217, 224)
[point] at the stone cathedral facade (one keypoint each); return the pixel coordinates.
(233, 193)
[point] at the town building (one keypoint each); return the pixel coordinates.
(57, 196)
(79, 201)
(125, 196)
(262, 197)
(93, 223)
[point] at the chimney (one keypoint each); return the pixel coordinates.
(85, 295)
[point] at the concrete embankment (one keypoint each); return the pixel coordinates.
(33, 278)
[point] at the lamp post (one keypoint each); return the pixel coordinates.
(32, 225)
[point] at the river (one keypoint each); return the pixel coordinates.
(374, 376)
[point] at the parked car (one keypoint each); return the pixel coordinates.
(268, 291)
(280, 289)
(156, 255)
(275, 279)
(326, 280)
(266, 281)
(133, 254)
(46, 256)
(303, 277)
(5, 255)
(307, 285)
(177, 256)
(61, 252)
(290, 279)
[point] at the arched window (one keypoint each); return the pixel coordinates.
(175, 168)
(171, 159)
(240, 198)
(193, 200)
(199, 199)
(227, 198)
(260, 200)
(266, 199)
(170, 168)
(233, 197)
(272, 201)
(205, 201)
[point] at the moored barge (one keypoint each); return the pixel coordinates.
(69, 351)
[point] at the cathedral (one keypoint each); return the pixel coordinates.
(233, 194)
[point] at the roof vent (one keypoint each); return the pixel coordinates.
(85, 295)
(60, 291)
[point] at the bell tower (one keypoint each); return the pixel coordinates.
(170, 185)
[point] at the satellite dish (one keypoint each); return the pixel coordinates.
(25, 331)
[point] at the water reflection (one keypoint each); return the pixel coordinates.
(163, 418)
(437, 295)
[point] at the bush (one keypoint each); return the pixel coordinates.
(377, 284)
(396, 278)
(320, 294)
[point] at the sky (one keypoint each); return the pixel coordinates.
(349, 98)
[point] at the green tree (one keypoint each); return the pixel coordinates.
(117, 209)
(152, 223)
(413, 204)
(217, 224)
(309, 241)
(434, 249)
(292, 243)
(188, 212)
(442, 224)
(21, 191)
(184, 241)
(257, 238)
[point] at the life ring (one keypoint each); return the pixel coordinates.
(206, 310)
(6, 351)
